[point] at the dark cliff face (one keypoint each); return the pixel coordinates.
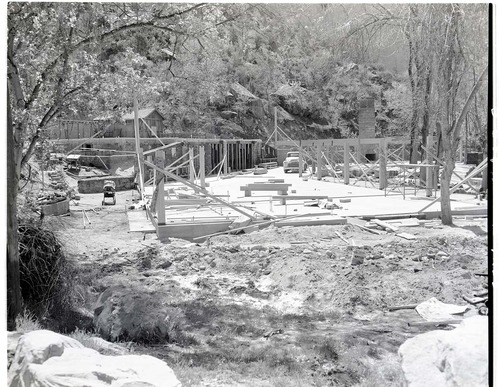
(329, 112)
(303, 111)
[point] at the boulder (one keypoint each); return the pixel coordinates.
(35, 348)
(136, 313)
(48, 359)
(12, 340)
(457, 358)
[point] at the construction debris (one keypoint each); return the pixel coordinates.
(406, 235)
(385, 225)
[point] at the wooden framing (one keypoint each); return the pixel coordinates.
(197, 188)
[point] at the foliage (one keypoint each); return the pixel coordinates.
(46, 274)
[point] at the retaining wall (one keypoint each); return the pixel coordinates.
(96, 184)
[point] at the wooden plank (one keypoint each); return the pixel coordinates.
(377, 232)
(299, 197)
(265, 187)
(406, 235)
(404, 222)
(475, 300)
(343, 239)
(312, 221)
(161, 148)
(183, 202)
(433, 323)
(256, 224)
(385, 225)
(400, 307)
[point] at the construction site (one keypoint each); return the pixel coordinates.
(310, 262)
(249, 194)
(196, 188)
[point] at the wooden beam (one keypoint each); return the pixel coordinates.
(202, 167)
(225, 158)
(319, 161)
(152, 131)
(476, 171)
(346, 163)
(137, 145)
(81, 143)
(383, 181)
(191, 165)
(159, 161)
(162, 147)
(258, 224)
(197, 188)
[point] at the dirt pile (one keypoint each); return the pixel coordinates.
(331, 318)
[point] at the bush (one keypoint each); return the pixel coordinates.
(45, 276)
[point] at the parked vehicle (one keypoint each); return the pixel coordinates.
(292, 162)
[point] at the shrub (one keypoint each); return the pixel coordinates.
(27, 322)
(45, 276)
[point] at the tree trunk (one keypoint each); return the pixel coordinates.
(14, 298)
(445, 190)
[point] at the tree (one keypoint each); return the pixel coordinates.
(446, 43)
(451, 69)
(53, 64)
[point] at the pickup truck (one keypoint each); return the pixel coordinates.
(291, 163)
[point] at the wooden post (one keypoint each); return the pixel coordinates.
(140, 159)
(358, 151)
(159, 161)
(319, 161)
(346, 163)
(382, 164)
(191, 164)
(463, 155)
(202, 167)
(430, 171)
(275, 127)
(238, 157)
(225, 156)
(300, 161)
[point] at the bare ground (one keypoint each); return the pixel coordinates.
(282, 306)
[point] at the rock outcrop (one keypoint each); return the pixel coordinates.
(47, 359)
(457, 358)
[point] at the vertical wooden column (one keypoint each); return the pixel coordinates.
(142, 169)
(140, 157)
(225, 154)
(191, 164)
(382, 164)
(238, 156)
(430, 171)
(275, 127)
(159, 161)
(300, 161)
(150, 159)
(319, 161)
(202, 170)
(346, 162)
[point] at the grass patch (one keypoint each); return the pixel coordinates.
(27, 322)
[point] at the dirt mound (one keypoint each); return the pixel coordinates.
(331, 317)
